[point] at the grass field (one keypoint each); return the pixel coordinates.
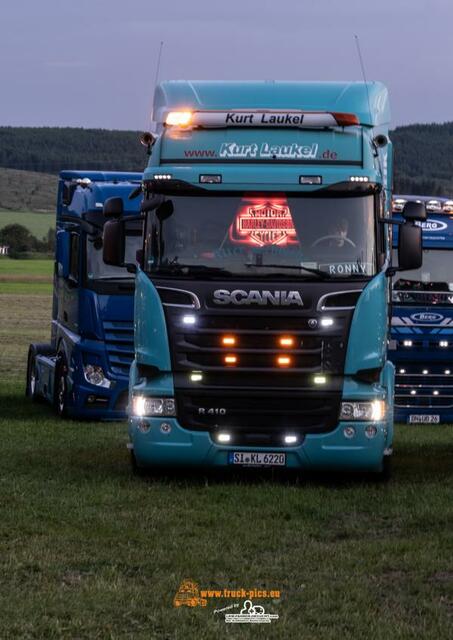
(38, 223)
(89, 551)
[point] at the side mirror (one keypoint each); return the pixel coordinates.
(113, 208)
(114, 242)
(414, 211)
(63, 253)
(164, 210)
(410, 254)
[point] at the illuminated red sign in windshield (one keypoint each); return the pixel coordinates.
(262, 223)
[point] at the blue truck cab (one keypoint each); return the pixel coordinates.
(84, 370)
(422, 321)
(262, 293)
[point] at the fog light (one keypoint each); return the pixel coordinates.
(443, 343)
(425, 372)
(447, 372)
(402, 370)
(435, 392)
(189, 320)
(407, 343)
(196, 376)
(326, 322)
(165, 427)
(320, 379)
(223, 437)
(371, 431)
(349, 432)
(143, 426)
(413, 392)
(290, 439)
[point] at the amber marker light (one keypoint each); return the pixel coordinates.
(179, 118)
(229, 341)
(284, 361)
(286, 341)
(230, 360)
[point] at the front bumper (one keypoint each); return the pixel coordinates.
(327, 451)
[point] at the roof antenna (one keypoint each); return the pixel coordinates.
(158, 64)
(362, 66)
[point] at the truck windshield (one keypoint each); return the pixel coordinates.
(262, 235)
(434, 277)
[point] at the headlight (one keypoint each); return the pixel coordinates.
(146, 406)
(367, 411)
(94, 374)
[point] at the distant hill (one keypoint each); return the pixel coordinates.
(423, 154)
(27, 190)
(424, 159)
(51, 149)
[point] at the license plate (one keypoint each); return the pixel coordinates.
(257, 459)
(416, 418)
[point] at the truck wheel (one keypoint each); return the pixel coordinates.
(31, 386)
(61, 387)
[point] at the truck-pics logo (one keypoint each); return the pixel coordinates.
(188, 595)
(263, 298)
(263, 224)
(265, 150)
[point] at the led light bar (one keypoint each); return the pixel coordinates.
(398, 204)
(261, 118)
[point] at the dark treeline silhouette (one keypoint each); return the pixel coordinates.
(423, 153)
(51, 149)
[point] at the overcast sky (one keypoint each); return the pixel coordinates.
(92, 63)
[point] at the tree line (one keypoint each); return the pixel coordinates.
(21, 242)
(423, 153)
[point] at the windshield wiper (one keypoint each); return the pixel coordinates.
(317, 272)
(188, 269)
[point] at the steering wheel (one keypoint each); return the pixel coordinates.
(333, 237)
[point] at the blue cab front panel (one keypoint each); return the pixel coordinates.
(92, 316)
(422, 322)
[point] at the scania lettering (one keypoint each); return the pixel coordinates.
(240, 297)
(259, 343)
(84, 370)
(421, 343)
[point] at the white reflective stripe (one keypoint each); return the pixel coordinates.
(262, 118)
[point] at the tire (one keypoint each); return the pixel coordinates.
(61, 387)
(32, 371)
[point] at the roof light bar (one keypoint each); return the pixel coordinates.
(434, 205)
(447, 206)
(261, 118)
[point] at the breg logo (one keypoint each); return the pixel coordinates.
(432, 225)
(427, 317)
(263, 298)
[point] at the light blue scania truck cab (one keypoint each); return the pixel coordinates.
(262, 292)
(422, 321)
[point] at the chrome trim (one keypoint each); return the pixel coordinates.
(321, 307)
(196, 301)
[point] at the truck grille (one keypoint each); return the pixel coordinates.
(255, 399)
(119, 342)
(432, 390)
